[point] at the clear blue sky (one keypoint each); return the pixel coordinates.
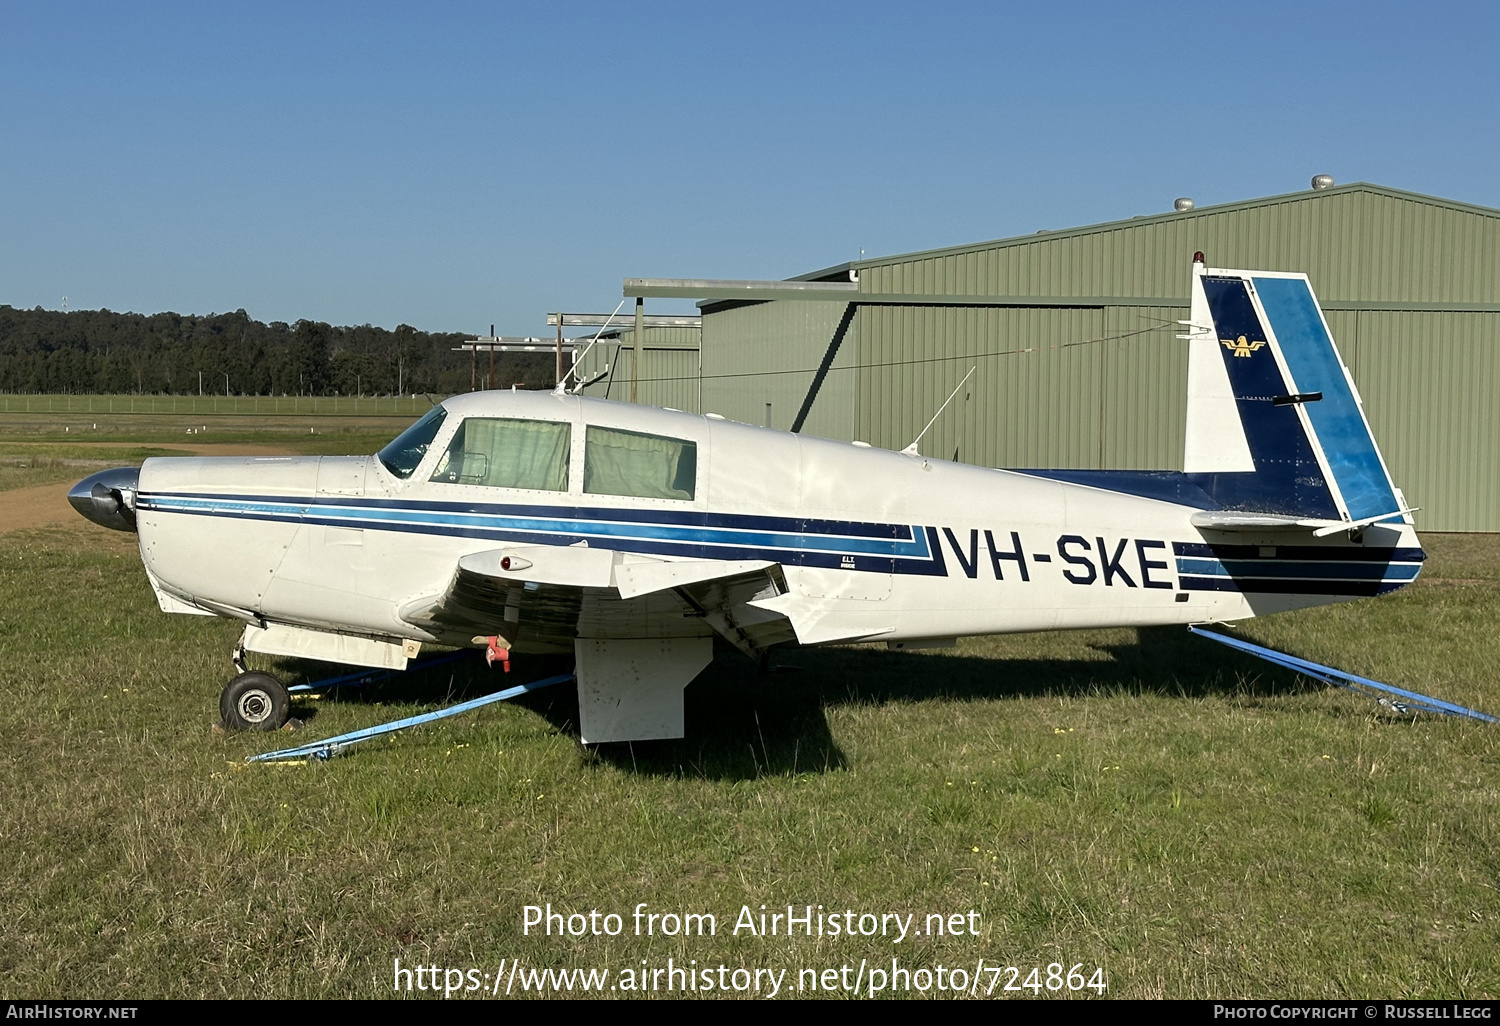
(457, 165)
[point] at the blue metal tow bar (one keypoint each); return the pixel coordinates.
(329, 747)
(1415, 702)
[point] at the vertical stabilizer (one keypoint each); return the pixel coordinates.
(1215, 435)
(1274, 422)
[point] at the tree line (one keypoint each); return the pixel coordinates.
(103, 352)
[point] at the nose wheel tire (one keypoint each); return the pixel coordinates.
(255, 701)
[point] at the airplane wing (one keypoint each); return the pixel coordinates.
(543, 597)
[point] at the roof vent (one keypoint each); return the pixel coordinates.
(1182, 204)
(1322, 181)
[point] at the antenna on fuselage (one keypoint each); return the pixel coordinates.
(562, 382)
(911, 450)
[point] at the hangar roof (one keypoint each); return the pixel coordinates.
(1361, 244)
(1150, 219)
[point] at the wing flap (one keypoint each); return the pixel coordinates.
(635, 579)
(543, 597)
(729, 603)
(818, 621)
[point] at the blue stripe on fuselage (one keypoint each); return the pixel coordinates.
(1264, 586)
(1335, 553)
(888, 548)
(1199, 562)
(1279, 569)
(693, 517)
(1349, 571)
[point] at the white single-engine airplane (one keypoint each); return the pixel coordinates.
(631, 536)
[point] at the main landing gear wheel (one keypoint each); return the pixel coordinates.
(255, 701)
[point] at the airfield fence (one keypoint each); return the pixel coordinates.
(209, 406)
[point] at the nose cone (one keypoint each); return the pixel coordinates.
(108, 497)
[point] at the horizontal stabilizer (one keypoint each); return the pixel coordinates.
(1217, 520)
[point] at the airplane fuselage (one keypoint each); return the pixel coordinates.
(873, 544)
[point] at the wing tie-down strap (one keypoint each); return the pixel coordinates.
(332, 746)
(1407, 701)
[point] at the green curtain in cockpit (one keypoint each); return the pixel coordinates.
(629, 463)
(503, 453)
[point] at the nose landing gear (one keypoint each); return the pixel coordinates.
(255, 701)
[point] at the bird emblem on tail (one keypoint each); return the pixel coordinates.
(1240, 347)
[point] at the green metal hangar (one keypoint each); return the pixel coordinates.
(1069, 340)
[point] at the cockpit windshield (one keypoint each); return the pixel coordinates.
(407, 449)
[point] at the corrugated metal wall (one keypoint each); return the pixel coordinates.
(761, 353)
(1431, 387)
(1144, 394)
(1033, 400)
(669, 372)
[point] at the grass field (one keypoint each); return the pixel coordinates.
(1194, 823)
(43, 447)
(410, 407)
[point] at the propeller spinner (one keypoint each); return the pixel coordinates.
(108, 497)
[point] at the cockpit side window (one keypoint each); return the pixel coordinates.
(619, 462)
(406, 450)
(505, 453)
